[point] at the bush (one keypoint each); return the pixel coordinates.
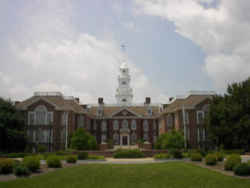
(83, 155)
(54, 162)
(32, 163)
(133, 153)
(176, 153)
(211, 159)
(170, 140)
(196, 157)
(96, 157)
(21, 170)
(234, 151)
(219, 156)
(6, 166)
(41, 148)
(232, 161)
(162, 156)
(71, 159)
(82, 140)
(14, 155)
(242, 169)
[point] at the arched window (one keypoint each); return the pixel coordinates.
(133, 124)
(125, 124)
(116, 138)
(104, 125)
(41, 115)
(145, 125)
(115, 125)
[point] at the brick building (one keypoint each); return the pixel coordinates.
(51, 118)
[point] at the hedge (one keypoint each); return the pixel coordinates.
(133, 153)
(232, 161)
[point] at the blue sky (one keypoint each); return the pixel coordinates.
(74, 46)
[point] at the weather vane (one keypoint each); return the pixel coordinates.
(123, 47)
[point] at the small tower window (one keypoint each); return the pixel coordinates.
(124, 100)
(123, 83)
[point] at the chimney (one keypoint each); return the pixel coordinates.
(147, 100)
(77, 100)
(17, 102)
(100, 100)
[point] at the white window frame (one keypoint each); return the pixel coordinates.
(133, 124)
(104, 125)
(116, 125)
(145, 125)
(197, 116)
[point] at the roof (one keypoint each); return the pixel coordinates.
(109, 111)
(59, 102)
(189, 102)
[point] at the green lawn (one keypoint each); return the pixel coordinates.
(170, 175)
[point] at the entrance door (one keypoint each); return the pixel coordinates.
(125, 140)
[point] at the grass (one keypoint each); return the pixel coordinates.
(171, 174)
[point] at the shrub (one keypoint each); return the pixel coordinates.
(83, 155)
(219, 156)
(21, 170)
(96, 157)
(211, 159)
(232, 161)
(41, 148)
(133, 153)
(170, 140)
(54, 162)
(14, 155)
(242, 169)
(176, 153)
(162, 156)
(82, 140)
(196, 157)
(32, 163)
(6, 166)
(71, 159)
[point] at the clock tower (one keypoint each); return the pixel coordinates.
(124, 93)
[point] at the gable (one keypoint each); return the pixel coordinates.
(125, 113)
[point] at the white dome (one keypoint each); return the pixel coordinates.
(124, 65)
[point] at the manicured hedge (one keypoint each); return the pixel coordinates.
(232, 161)
(54, 162)
(162, 156)
(14, 155)
(96, 157)
(211, 159)
(6, 166)
(71, 159)
(32, 163)
(82, 155)
(219, 156)
(176, 153)
(196, 157)
(242, 169)
(133, 153)
(21, 170)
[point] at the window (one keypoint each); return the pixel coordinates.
(31, 118)
(80, 121)
(95, 125)
(104, 125)
(150, 112)
(115, 125)
(169, 121)
(88, 127)
(123, 83)
(116, 138)
(154, 138)
(133, 124)
(145, 136)
(200, 117)
(124, 100)
(41, 115)
(145, 125)
(133, 138)
(104, 138)
(198, 134)
(64, 118)
(50, 118)
(99, 112)
(154, 125)
(125, 124)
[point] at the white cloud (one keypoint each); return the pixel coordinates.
(53, 56)
(222, 31)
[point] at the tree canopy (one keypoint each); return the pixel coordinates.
(229, 117)
(12, 127)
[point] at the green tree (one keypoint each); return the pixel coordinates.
(228, 121)
(82, 140)
(12, 128)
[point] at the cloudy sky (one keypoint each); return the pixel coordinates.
(73, 46)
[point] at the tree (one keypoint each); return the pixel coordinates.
(12, 128)
(171, 140)
(228, 121)
(82, 140)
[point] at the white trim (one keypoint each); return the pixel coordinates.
(43, 99)
(125, 108)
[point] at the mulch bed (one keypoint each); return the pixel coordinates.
(219, 167)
